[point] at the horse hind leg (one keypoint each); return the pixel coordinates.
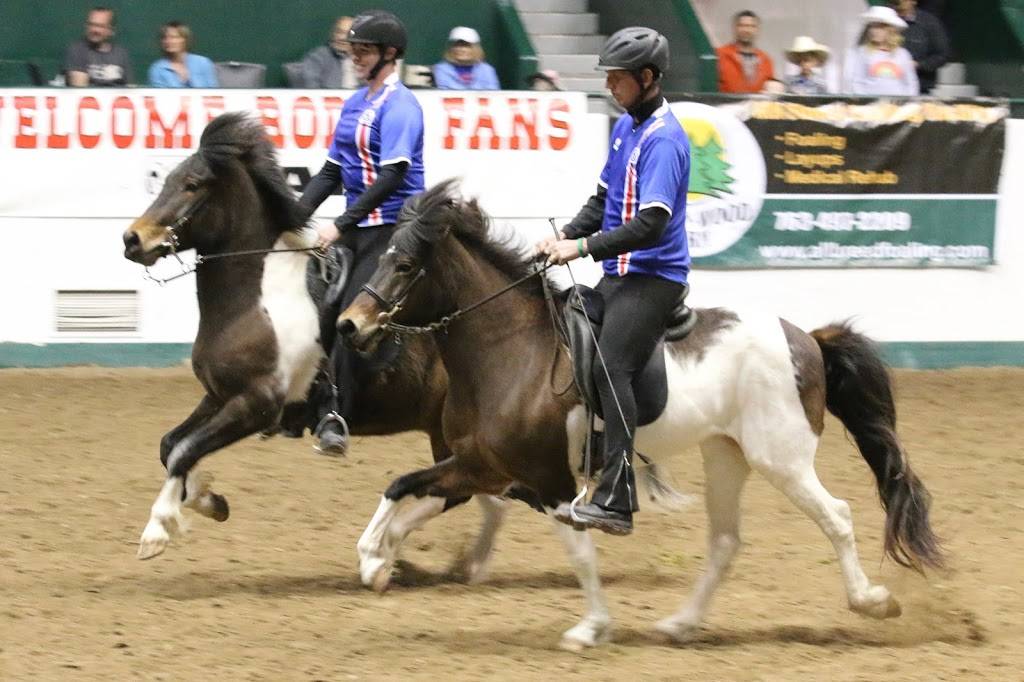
(725, 471)
(473, 566)
(790, 468)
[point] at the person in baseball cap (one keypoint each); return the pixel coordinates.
(463, 66)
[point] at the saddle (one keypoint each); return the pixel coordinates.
(650, 386)
(326, 279)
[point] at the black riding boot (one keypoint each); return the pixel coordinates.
(612, 505)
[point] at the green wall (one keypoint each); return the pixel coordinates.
(269, 32)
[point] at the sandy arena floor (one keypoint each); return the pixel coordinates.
(273, 594)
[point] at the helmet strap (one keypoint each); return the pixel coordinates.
(381, 63)
(644, 90)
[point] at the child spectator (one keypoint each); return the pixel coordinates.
(463, 66)
(809, 56)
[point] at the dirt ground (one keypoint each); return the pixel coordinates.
(273, 593)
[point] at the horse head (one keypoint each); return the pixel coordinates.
(231, 192)
(411, 283)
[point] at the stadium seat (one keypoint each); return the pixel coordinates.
(294, 75)
(241, 74)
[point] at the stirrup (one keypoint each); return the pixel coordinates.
(332, 416)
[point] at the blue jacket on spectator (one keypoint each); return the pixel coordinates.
(479, 76)
(201, 73)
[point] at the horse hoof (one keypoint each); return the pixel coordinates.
(153, 541)
(675, 631)
(879, 604)
(584, 636)
(381, 580)
(221, 511)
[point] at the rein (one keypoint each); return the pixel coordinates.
(394, 306)
(172, 242)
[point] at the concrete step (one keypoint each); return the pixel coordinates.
(568, 6)
(953, 73)
(569, 63)
(567, 44)
(571, 23)
(950, 91)
(583, 83)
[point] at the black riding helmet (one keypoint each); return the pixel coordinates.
(634, 49)
(378, 27)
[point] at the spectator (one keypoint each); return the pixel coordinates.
(878, 65)
(180, 68)
(809, 56)
(925, 39)
(741, 66)
(546, 81)
(330, 65)
(95, 60)
(463, 66)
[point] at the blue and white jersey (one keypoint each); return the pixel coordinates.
(374, 132)
(649, 166)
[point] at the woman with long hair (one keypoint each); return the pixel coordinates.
(463, 66)
(879, 65)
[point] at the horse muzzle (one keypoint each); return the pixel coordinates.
(143, 246)
(358, 331)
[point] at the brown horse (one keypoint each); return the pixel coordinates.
(257, 348)
(749, 388)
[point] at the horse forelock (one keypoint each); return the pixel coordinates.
(236, 137)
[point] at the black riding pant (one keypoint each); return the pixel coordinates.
(636, 309)
(367, 245)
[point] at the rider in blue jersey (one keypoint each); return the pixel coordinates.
(377, 156)
(636, 225)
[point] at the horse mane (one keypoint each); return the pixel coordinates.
(236, 136)
(427, 217)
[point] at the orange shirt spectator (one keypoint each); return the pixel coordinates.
(742, 67)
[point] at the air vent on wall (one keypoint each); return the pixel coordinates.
(87, 311)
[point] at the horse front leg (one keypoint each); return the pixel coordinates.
(408, 503)
(596, 626)
(240, 416)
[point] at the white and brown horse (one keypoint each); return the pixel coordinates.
(748, 388)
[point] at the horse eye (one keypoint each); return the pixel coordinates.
(191, 186)
(403, 268)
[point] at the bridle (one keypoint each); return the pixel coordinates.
(391, 307)
(172, 243)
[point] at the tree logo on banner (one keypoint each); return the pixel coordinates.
(727, 177)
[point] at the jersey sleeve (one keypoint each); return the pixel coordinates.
(662, 169)
(401, 132)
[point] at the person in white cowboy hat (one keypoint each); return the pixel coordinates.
(463, 66)
(879, 65)
(809, 55)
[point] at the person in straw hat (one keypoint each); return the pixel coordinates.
(879, 65)
(809, 56)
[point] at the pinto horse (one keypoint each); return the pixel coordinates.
(749, 388)
(257, 349)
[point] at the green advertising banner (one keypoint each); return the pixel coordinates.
(842, 183)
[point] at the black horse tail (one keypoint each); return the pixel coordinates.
(859, 393)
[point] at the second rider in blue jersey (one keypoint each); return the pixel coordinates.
(636, 225)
